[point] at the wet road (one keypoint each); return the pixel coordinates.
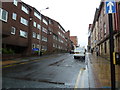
(55, 71)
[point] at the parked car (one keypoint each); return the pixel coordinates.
(79, 53)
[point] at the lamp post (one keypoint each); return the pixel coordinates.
(41, 32)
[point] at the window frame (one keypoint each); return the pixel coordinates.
(45, 21)
(15, 2)
(38, 36)
(14, 16)
(36, 14)
(25, 9)
(24, 21)
(23, 32)
(34, 24)
(105, 30)
(44, 30)
(1, 15)
(38, 26)
(13, 28)
(34, 35)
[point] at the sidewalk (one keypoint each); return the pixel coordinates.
(99, 69)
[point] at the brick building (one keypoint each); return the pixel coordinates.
(26, 31)
(99, 38)
(74, 39)
(100, 30)
(89, 38)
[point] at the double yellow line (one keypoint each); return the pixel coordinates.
(80, 81)
(24, 62)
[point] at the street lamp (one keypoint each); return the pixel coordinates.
(41, 31)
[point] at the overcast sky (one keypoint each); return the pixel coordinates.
(73, 15)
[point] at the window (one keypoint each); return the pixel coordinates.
(100, 18)
(13, 29)
(38, 36)
(38, 26)
(38, 46)
(55, 37)
(50, 29)
(59, 33)
(15, 2)
(37, 15)
(25, 9)
(50, 22)
(34, 24)
(34, 35)
(105, 46)
(44, 30)
(44, 48)
(56, 46)
(104, 11)
(101, 33)
(23, 33)
(33, 45)
(3, 15)
(44, 39)
(53, 45)
(14, 16)
(45, 21)
(24, 21)
(104, 27)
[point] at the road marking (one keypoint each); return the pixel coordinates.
(24, 62)
(8, 66)
(28, 61)
(79, 78)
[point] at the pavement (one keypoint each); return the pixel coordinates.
(101, 72)
(98, 69)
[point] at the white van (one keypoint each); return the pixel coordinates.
(79, 53)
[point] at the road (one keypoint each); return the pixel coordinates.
(54, 71)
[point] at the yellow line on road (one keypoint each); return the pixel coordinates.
(27, 61)
(78, 79)
(24, 63)
(8, 66)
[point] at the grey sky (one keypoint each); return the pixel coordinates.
(73, 15)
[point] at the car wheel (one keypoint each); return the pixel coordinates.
(74, 57)
(84, 57)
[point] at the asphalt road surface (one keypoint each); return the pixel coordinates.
(54, 71)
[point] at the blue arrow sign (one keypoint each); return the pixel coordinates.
(110, 7)
(35, 49)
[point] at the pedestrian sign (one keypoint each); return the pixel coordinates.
(110, 6)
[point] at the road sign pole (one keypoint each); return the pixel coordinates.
(112, 66)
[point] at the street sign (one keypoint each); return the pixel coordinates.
(110, 6)
(35, 49)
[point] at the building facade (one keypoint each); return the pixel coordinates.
(89, 38)
(100, 31)
(74, 39)
(26, 31)
(100, 34)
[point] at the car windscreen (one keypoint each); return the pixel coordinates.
(79, 50)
